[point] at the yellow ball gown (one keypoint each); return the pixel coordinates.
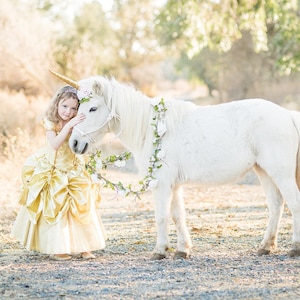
(60, 203)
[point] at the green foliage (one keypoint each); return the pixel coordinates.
(83, 39)
(284, 35)
(194, 25)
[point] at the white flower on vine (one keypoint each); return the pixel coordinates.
(122, 192)
(155, 101)
(161, 129)
(161, 154)
(99, 164)
(152, 158)
(120, 163)
(160, 107)
(153, 183)
(95, 178)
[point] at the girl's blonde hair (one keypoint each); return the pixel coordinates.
(62, 94)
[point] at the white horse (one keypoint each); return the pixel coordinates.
(206, 144)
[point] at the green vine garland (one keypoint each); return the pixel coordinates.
(155, 161)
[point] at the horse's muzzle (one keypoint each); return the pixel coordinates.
(78, 148)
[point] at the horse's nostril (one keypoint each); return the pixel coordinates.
(85, 148)
(75, 143)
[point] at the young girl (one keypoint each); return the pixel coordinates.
(59, 201)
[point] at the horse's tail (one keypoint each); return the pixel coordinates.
(296, 121)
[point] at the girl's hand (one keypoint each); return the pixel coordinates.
(76, 120)
(56, 140)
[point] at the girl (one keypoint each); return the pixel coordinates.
(59, 201)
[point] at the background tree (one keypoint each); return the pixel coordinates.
(137, 44)
(238, 48)
(114, 42)
(254, 42)
(86, 45)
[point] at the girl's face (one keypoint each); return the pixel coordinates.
(67, 108)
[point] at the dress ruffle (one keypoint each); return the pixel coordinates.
(51, 192)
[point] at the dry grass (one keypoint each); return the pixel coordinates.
(20, 130)
(20, 136)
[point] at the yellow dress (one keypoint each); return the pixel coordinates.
(60, 203)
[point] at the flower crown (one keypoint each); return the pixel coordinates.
(84, 94)
(70, 89)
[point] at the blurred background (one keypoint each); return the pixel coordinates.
(207, 52)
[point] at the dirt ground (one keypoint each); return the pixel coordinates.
(226, 224)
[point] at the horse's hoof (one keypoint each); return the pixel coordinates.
(180, 254)
(294, 253)
(158, 256)
(262, 252)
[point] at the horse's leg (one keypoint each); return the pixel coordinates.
(285, 180)
(178, 214)
(291, 194)
(162, 199)
(275, 205)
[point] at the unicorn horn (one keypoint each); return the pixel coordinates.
(66, 79)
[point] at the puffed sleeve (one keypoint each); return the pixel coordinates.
(48, 125)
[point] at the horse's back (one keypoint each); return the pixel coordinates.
(240, 118)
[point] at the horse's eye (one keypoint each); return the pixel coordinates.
(93, 109)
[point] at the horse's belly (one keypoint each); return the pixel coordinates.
(214, 155)
(217, 165)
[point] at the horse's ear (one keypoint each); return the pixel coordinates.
(98, 89)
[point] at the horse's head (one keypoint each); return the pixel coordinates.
(93, 94)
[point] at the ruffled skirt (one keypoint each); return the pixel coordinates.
(60, 209)
(66, 236)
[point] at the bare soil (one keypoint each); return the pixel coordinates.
(226, 224)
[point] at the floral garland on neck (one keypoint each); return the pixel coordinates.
(155, 161)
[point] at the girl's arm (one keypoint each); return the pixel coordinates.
(56, 140)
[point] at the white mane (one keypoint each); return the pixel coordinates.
(136, 115)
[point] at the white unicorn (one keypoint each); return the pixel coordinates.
(206, 144)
